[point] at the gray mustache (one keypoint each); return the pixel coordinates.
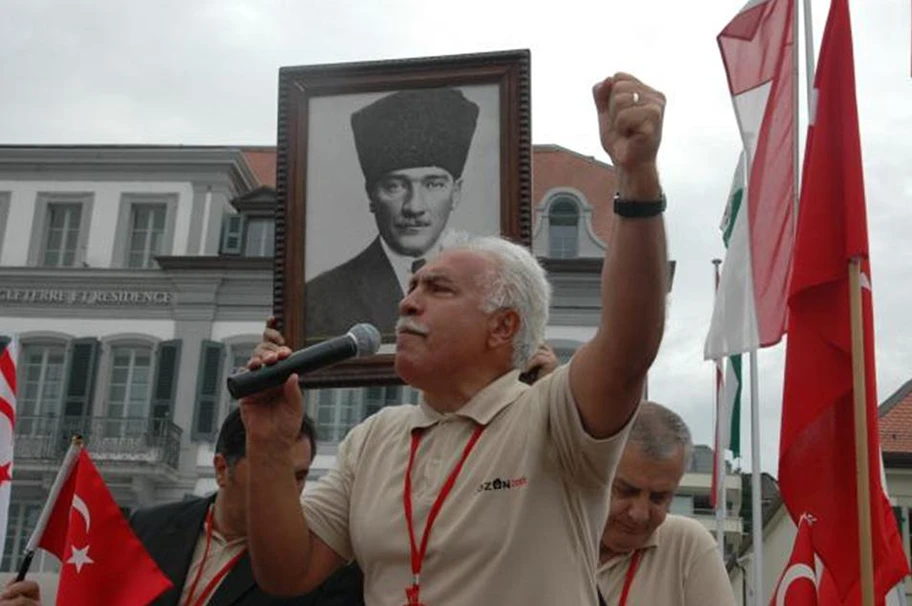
(410, 325)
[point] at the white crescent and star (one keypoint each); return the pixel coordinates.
(792, 574)
(79, 557)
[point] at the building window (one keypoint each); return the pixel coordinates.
(248, 235)
(62, 235)
(337, 411)
(21, 521)
(56, 379)
(702, 505)
(682, 505)
(128, 390)
(147, 230)
(42, 387)
(563, 231)
(60, 229)
(259, 240)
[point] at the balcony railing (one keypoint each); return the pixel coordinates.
(114, 439)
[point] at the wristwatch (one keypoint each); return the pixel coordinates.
(638, 209)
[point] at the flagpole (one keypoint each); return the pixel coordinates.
(809, 57)
(862, 472)
(756, 512)
(809, 93)
(69, 459)
(718, 456)
(795, 104)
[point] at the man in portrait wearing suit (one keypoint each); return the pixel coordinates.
(412, 146)
(201, 543)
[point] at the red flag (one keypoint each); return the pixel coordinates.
(757, 48)
(826, 590)
(798, 584)
(7, 424)
(718, 455)
(817, 442)
(102, 561)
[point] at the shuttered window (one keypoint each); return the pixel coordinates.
(81, 378)
(232, 235)
(164, 388)
(208, 390)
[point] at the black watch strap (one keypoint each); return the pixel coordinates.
(638, 209)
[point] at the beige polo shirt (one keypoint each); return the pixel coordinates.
(522, 523)
(680, 566)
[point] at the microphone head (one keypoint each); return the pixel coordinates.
(367, 339)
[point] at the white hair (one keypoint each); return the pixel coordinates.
(516, 281)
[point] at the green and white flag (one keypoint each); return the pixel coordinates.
(728, 370)
(729, 412)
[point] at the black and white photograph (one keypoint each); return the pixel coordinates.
(385, 165)
(392, 178)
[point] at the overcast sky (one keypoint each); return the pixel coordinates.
(206, 72)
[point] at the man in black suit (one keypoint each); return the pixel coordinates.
(412, 146)
(201, 545)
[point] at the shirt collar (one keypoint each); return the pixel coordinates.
(651, 543)
(402, 265)
(217, 536)
(481, 408)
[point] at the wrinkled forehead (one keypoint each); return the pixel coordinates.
(646, 472)
(459, 264)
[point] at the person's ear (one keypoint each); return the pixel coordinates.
(222, 469)
(503, 325)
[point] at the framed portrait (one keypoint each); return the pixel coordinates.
(380, 165)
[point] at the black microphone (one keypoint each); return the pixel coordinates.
(360, 341)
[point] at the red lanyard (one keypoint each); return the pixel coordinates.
(631, 572)
(210, 587)
(412, 592)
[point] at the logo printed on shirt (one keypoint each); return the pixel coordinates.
(502, 484)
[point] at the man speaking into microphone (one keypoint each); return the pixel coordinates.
(490, 491)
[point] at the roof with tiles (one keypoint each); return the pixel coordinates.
(896, 421)
(558, 167)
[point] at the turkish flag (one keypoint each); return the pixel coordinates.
(803, 582)
(102, 561)
(798, 584)
(817, 441)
